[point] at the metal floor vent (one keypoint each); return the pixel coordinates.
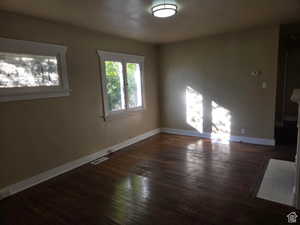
(100, 160)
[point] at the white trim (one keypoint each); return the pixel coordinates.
(250, 140)
(184, 132)
(27, 183)
(117, 56)
(34, 96)
(296, 98)
(42, 49)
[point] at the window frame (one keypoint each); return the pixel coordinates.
(38, 49)
(124, 59)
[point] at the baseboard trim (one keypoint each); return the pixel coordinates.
(249, 140)
(27, 183)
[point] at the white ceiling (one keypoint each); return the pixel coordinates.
(132, 19)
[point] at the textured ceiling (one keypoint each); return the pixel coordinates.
(131, 18)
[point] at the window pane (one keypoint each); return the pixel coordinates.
(20, 70)
(134, 85)
(115, 85)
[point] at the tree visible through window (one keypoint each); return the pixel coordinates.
(134, 85)
(122, 81)
(32, 70)
(19, 70)
(114, 85)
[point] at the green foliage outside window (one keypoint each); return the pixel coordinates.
(114, 85)
(132, 85)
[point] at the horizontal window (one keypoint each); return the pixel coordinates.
(122, 82)
(31, 70)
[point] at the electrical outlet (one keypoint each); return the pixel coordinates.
(243, 131)
(255, 73)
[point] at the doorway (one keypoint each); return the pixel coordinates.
(288, 80)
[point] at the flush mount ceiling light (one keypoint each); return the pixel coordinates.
(164, 9)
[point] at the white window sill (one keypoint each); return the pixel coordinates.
(31, 96)
(123, 114)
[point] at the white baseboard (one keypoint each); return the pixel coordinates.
(27, 183)
(250, 140)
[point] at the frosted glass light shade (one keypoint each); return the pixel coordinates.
(164, 10)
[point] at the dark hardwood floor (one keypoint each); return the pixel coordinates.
(167, 179)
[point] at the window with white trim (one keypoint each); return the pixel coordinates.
(122, 82)
(30, 70)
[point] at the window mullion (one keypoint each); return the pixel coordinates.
(104, 88)
(125, 84)
(142, 84)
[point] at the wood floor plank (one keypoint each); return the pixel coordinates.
(164, 180)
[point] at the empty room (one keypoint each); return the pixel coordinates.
(149, 112)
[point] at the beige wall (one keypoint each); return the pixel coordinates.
(219, 69)
(38, 135)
